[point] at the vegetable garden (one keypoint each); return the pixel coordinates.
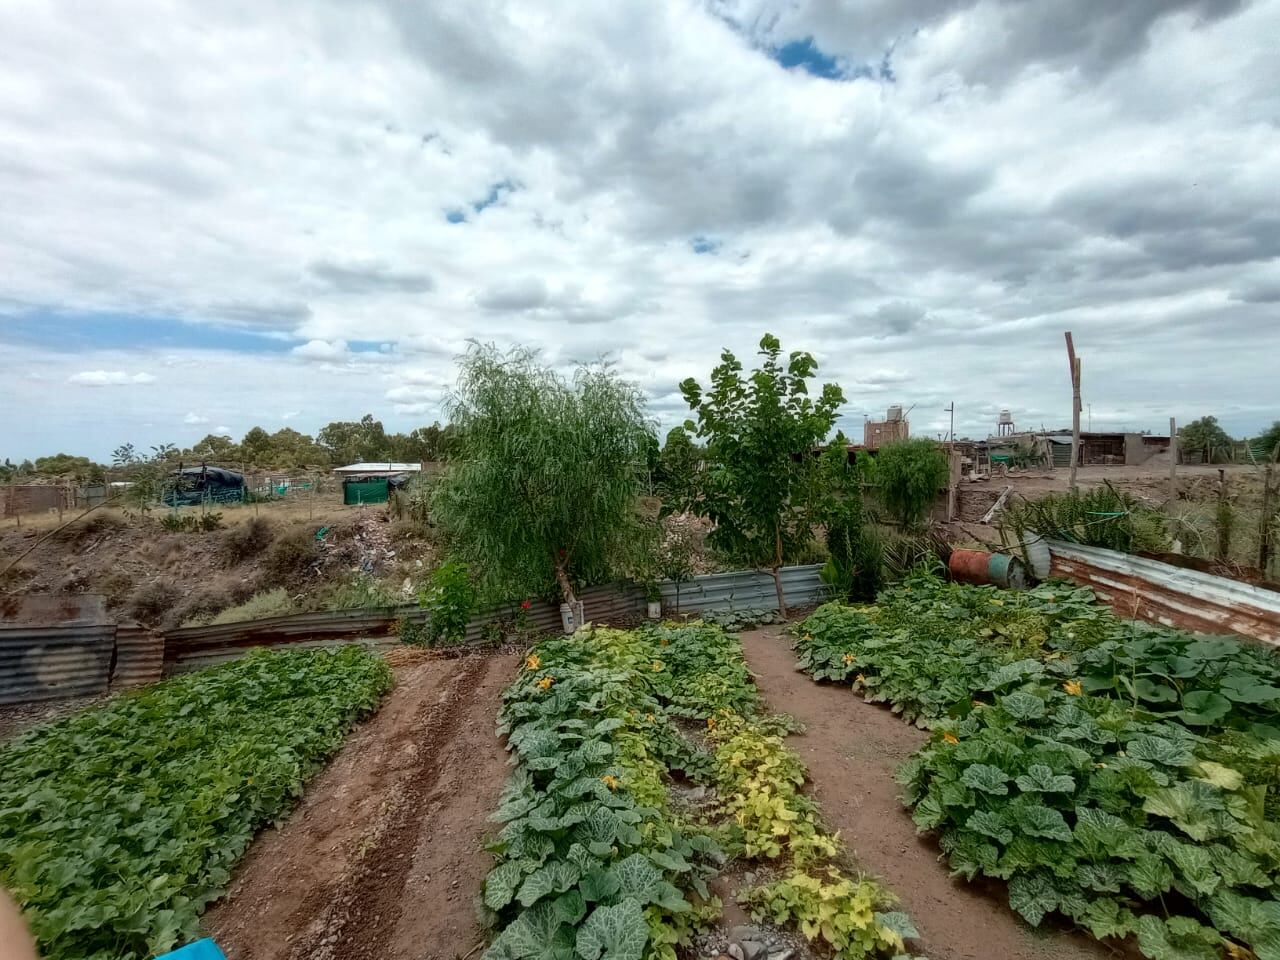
(1121, 776)
(601, 856)
(119, 824)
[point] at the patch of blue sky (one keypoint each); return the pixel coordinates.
(73, 332)
(705, 245)
(496, 193)
(805, 55)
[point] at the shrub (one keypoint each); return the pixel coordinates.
(855, 568)
(1101, 517)
(450, 598)
(289, 558)
(908, 475)
(246, 541)
(151, 601)
(270, 603)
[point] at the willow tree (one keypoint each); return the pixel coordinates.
(761, 431)
(545, 471)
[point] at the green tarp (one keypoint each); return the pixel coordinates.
(365, 491)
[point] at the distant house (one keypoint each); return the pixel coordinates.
(373, 482)
(379, 469)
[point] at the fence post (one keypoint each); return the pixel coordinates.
(1267, 520)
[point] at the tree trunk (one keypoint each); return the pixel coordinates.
(566, 587)
(777, 571)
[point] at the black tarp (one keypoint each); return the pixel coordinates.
(189, 486)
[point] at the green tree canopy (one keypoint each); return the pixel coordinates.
(1205, 437)
(545, 472)
(66, 465)
(678, 466)
(760, 432)
(908, 475)
(352, 441)
(1269, 440)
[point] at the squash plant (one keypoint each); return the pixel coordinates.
(118, 825)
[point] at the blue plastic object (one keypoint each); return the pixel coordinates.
(204, 949)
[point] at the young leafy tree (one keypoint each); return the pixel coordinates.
(544, 473)
(677, 473)
(908, 474)
(760, 431)
(1205, 436)
(1269, 440)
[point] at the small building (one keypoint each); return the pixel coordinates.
(373, 482)
(379, 469)
(876, 433)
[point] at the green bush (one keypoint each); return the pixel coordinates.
(269, 603)
(1099, 517)
(450, 599)
(908, 476)
(118, 825)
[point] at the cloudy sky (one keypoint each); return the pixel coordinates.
(216, 215)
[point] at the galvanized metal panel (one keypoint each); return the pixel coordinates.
(744, 590)
(52, 662)
(1169, 595)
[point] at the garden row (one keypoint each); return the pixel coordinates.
(1123, 776)
(644, 766)
(118, 825)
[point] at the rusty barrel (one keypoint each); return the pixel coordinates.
(981, 566)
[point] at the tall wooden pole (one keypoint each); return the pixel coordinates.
(1074, 363)
(1173, 460)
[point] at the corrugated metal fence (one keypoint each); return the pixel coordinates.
(1173, 596)
(87, 655)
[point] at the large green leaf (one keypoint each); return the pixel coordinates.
(1040, 778)
(1179, 938)
(1188, 804)
(1041, 821)
(501, 884)
(987, 778)
(539, 933)
(1032, 896)
(638, 879)
(1023, 706)
(990, 824)
(1203, 707)
(614, 933)
(555, 877)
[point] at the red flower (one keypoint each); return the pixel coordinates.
(525, 604)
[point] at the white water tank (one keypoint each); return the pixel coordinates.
(1006, 415)
(895, 413)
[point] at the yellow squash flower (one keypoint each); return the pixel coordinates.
(545, 683)
(610, 781)
(950, 737)
(532, 662)
(861, 678)
(711, 723)
(1073, 687)
(849, 658)
(657, 666)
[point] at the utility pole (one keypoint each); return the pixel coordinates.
(1090, 417)
(951, 433)
(1173, 461)
(1074, 363)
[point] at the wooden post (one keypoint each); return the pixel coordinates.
(953, 485)
(1223, 519)
(1074, 363)
(1267, 521)
(1173, 460)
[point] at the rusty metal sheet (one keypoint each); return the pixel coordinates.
(139, 657)
(1173, 596)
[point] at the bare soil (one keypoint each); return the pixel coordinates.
(384, 856)
(852, 749)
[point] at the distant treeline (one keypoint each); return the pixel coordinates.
(337, 444)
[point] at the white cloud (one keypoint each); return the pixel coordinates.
(109, 378)
(1029, 168)
(327, 351)
(194, 419)
(289, 414)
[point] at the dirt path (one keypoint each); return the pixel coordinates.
(383, 858)
(852, 749)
